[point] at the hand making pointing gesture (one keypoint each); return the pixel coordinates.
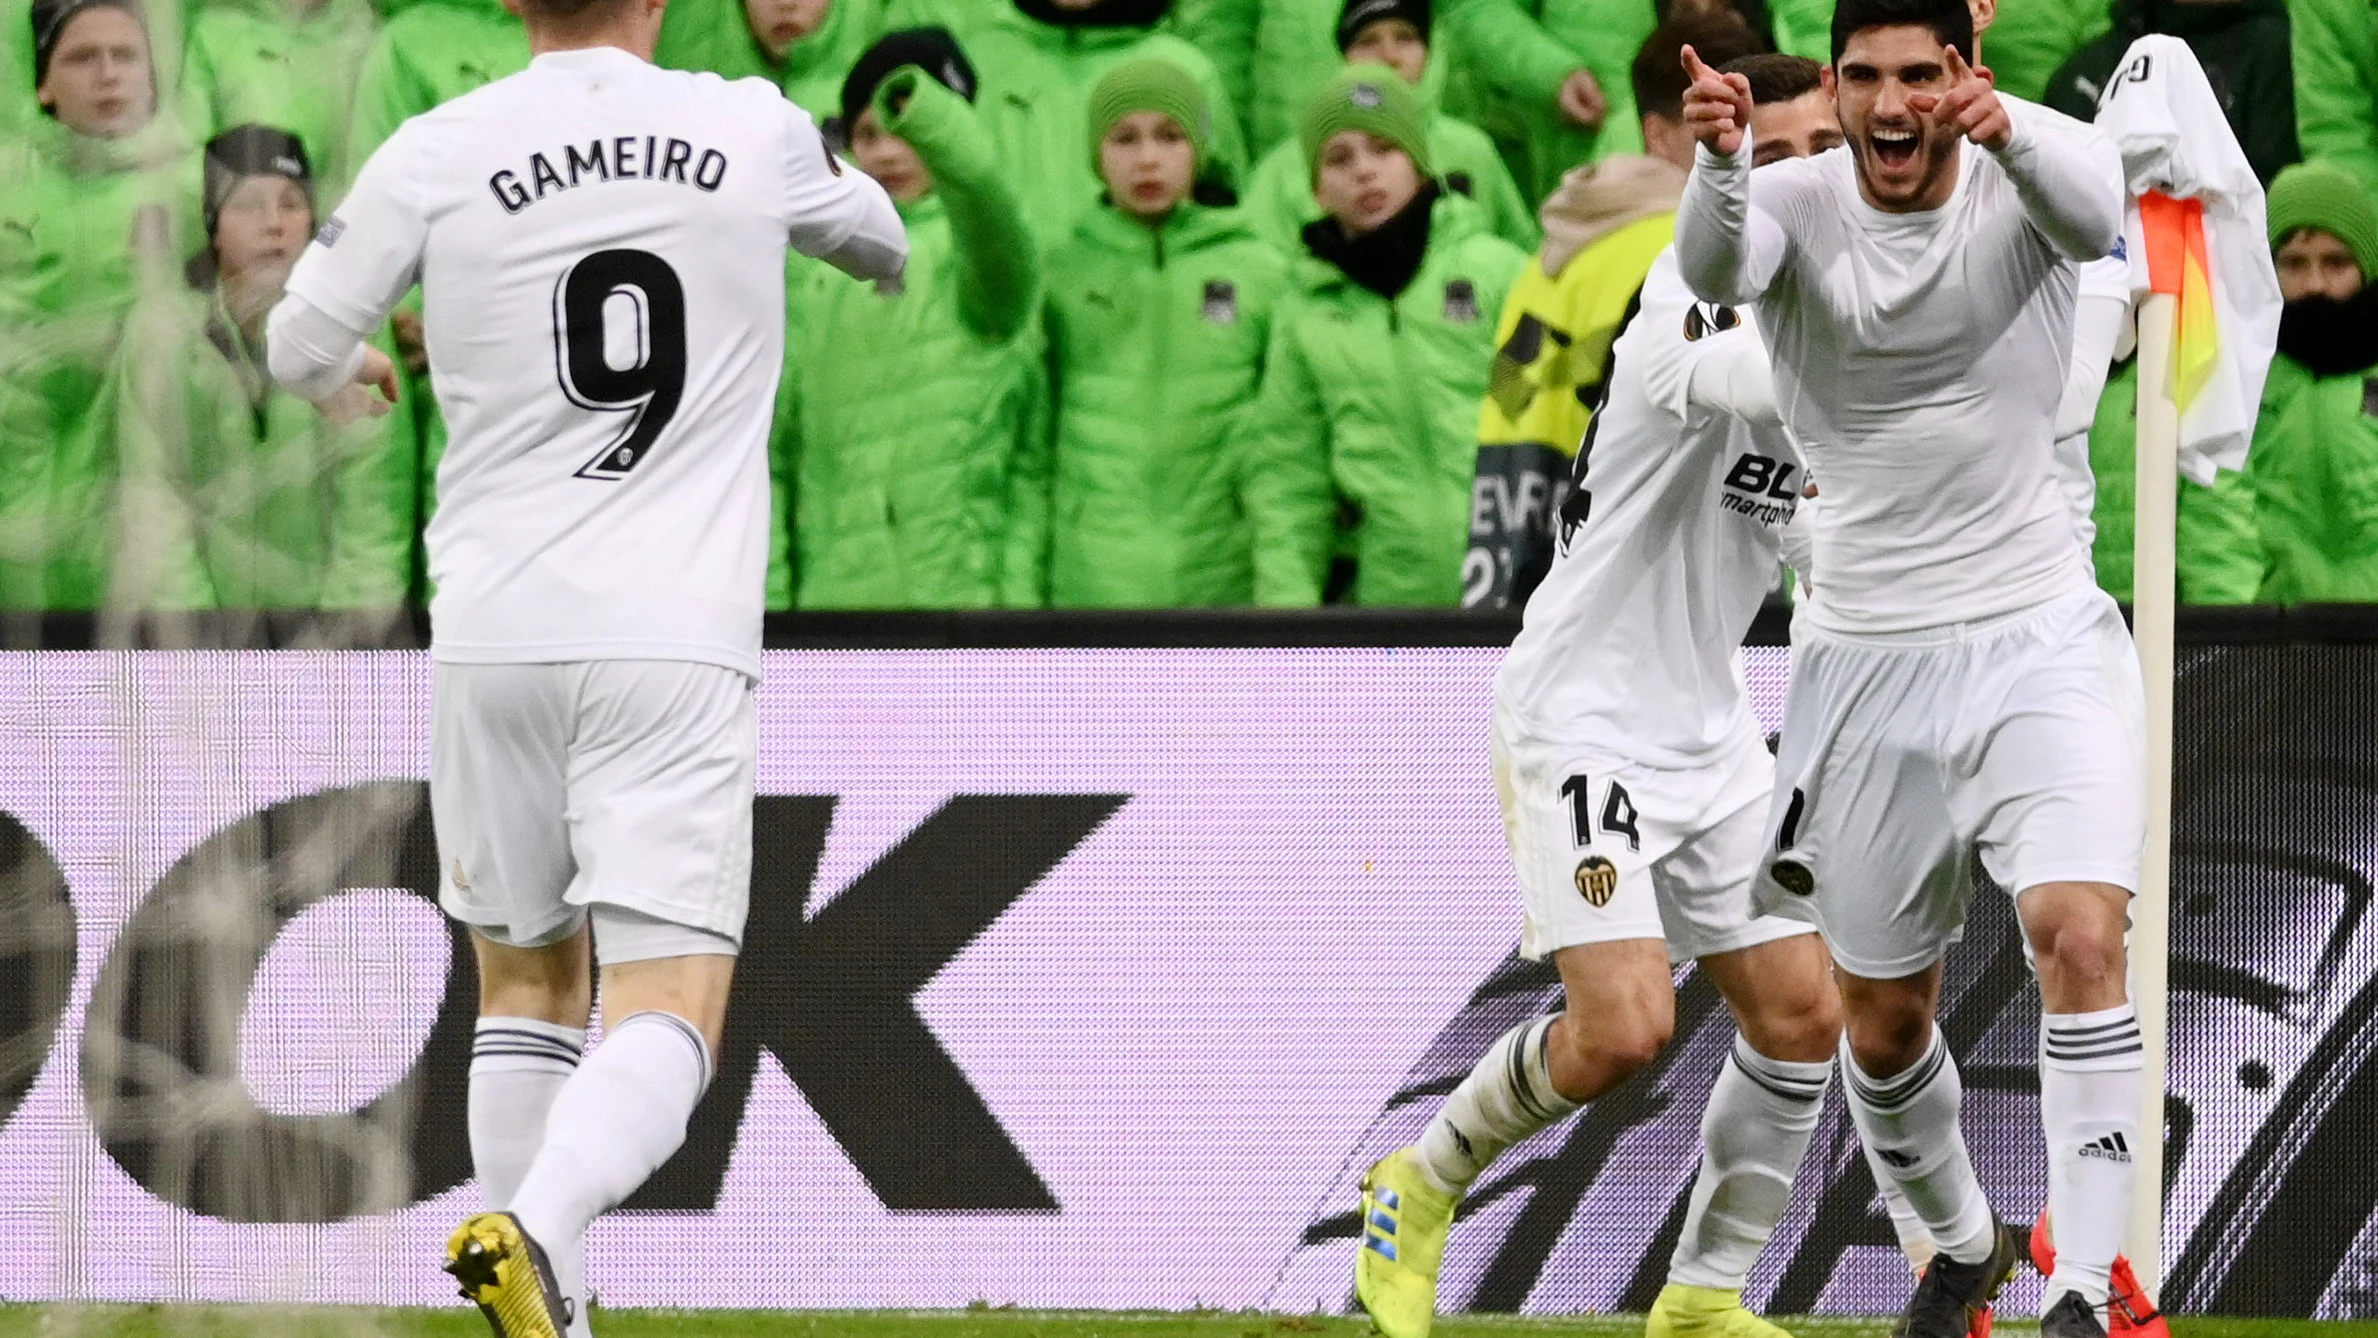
(1970, 105)
(1717, 106)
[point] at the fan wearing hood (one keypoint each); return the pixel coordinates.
(1039, 59)
(911, 443)
(2314, 466)
(1159, 311)
(1394, 33)
(1370, 393)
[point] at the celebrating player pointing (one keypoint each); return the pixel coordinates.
(601, 249)
(1959, 682)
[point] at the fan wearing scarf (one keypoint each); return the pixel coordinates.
(2314, 466)
(1367, 421)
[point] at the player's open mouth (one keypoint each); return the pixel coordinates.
(1895, 148)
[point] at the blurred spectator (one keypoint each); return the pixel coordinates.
(2219, 554)
(2031, 39)
(2243, 45)
(2336, 84)
(1394, 33)
(2315, 459)
(262, 467)
(1038, 61)
(286, 63)
(912, 443)
(77, 191)
(433, 52)
(1551, 79)
(1602, 229)
(802, 46)
(1370, 396)
(1158, 314)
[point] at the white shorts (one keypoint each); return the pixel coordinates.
(2022, 737)
(624, 783)
(1609, 850)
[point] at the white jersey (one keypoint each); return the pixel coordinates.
(1919, 360)
(601, 250)
(1669, 542)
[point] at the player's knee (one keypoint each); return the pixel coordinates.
(1889, 1040)
(1613, 1041)
(2080, 957)
(1803, 1028)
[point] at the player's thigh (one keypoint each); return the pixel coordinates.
(661, 793)
(1703, 881)
(1859, 836)
(498, 794)
(2056, 744)
(1579, 846)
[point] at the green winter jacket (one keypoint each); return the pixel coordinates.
(263, 62)
(911, 443)
(433, 52)
(1156, 344)
(2220, 550)
(264, 470)
(1513, 57)
(2315, 471)
(715, 35)
(1035, 96)
(2033, 38)
(1295, 52)
(74, 215)
(1374, 405)
(2336, 83)
(1279, 196)
(2244, 48)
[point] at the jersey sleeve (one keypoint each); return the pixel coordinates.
(1731, 235)
(366, 257)
(1686, 350)
(832, 212)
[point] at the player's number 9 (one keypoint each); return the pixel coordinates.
(650, 387)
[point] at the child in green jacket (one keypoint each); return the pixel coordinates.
(1369, 411)
(802, 46)
(1394, 33)
(1158, 314)
(911, 448)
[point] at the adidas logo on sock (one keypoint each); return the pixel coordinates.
(2112, 1147)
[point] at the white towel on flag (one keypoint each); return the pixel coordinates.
(2162, 111)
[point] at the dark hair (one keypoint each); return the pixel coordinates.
(932, 50)
(1717, 36)
(565, 11)
(1949, 20)
(1776, 77)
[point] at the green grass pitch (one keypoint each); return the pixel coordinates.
(31, 1321)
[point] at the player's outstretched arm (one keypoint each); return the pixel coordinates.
(321, 361)
(351, 276)
(832, 213)
(996, 258)
(1727, 251)
(2069, 179)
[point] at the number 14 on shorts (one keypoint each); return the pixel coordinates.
(1617, 812)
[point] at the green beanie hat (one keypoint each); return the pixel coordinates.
(1374, 100)
(2315, 195)
(1151, 84)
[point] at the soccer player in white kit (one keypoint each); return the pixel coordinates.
(1634, 784)
(601, 248)
(1960, 685)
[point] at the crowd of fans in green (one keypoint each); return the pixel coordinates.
(1202, 305)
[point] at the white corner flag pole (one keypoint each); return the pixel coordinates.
(2154, 600)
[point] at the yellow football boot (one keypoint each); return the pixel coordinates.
(507, 1275)
(1405, 1219)
(1705, 1312)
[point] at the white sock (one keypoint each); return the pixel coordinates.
(2091, 1081)
(1506, 1097)
(1909, 1121)
(617, 1120)
(1754, 1133)
(1914, 1241)
(518, 1067)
